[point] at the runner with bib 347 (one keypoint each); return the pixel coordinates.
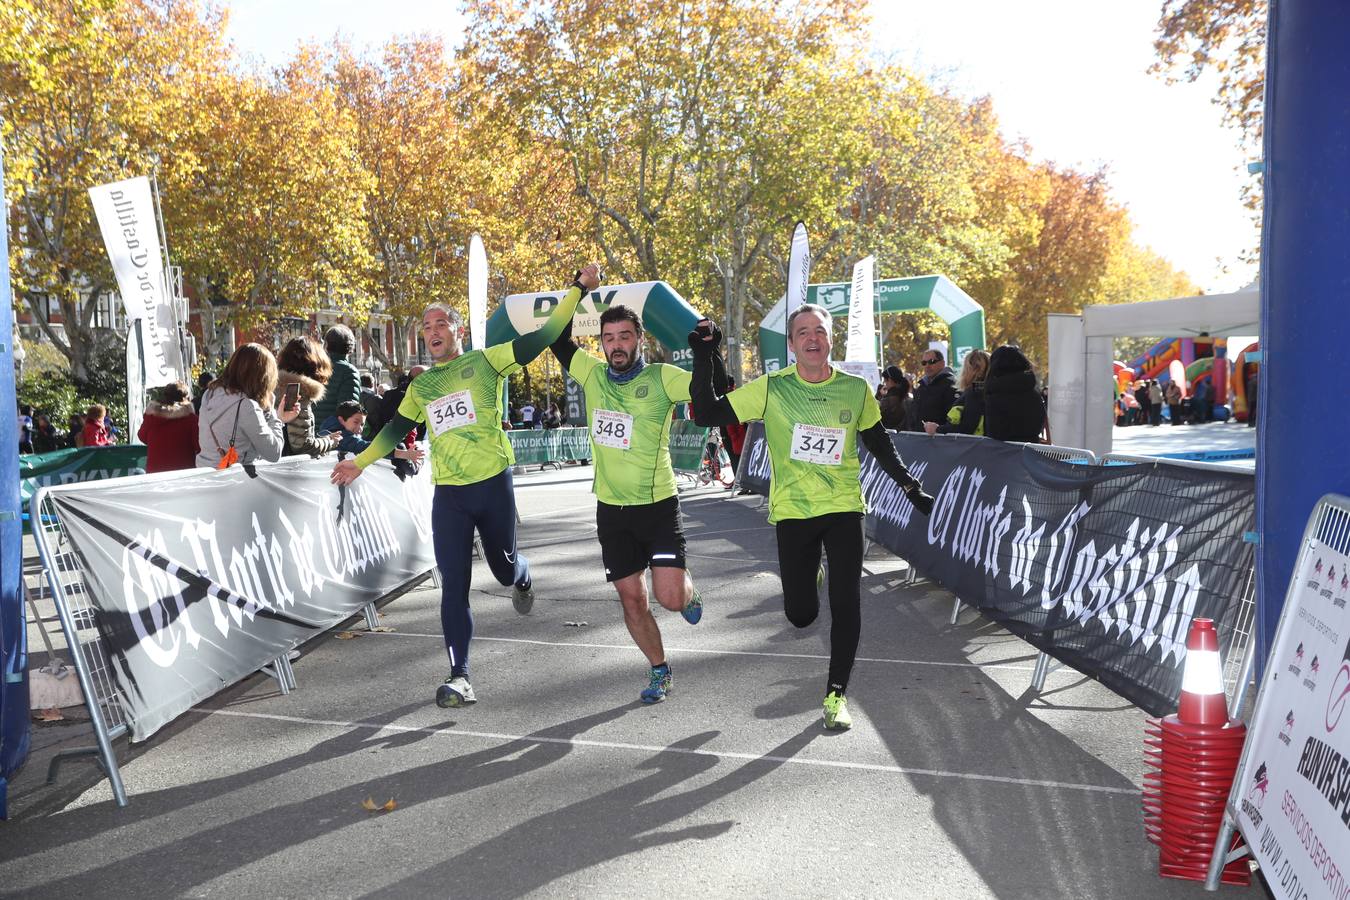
(460, 400)
(637, 516)
(813, 417)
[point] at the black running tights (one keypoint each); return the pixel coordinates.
(799, 544)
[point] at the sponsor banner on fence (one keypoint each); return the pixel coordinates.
(78, 464)
(1101, 567)
(198, 580)
(687, 443)
(1292, 793)
(535, 447)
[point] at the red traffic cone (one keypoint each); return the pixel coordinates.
(1202, 697)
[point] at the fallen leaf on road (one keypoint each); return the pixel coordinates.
(574, 624)
(346, 635)
(383, 628)
(368, 805)
(390, 806)
(51, 714)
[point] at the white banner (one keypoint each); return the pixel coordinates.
(135, 381)
(478, 284)
(799, 276)
(1292, 792)
(126, 216)
(529, 312)
(862, 332)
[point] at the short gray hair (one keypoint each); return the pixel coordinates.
(809, 308)
(450, 313)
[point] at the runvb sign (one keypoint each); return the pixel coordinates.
(1291, 794)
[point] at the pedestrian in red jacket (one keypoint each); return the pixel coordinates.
(169, 430)
(95, 433)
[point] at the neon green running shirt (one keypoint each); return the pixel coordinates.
(812, 433)
(630, 429)
(461, 403)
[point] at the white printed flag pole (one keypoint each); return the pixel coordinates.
(799, 276)
(478, 279)
(862, 334)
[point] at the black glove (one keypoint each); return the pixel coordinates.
(922, 502)
(702, 347)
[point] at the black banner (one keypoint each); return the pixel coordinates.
(1102, 567)
(199, 579)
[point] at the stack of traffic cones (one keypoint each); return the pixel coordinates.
(1194, 755)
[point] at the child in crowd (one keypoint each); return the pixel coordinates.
(95, 432)
(352, 418)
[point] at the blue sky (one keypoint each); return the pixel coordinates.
(1068, 76)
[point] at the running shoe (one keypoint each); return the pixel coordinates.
(522, 598)
(836, 712)
(455, 692)
(661, 683)
(693, 610)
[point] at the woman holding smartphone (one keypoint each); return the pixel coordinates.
(304, 370)
(237, 422)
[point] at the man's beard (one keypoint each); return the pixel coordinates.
(626, 366)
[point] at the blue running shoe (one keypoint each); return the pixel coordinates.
(693, 610)
(659, 686)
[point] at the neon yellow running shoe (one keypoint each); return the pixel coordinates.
(836, 712)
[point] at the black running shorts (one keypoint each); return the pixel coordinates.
(635, 537)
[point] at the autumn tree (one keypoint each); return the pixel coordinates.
(90, 92)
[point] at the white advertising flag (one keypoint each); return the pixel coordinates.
(126, 216)
(862, 332)
(478, 284)
(799, 276)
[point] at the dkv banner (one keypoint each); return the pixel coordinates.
(198, 580)
(126, 217)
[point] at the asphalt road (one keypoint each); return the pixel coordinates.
(954, 782)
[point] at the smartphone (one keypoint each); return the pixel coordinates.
(292, 395)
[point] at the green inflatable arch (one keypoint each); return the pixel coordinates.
(892, 295)
(664, 313)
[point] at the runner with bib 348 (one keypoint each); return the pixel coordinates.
(460, 400)
(814, 416)
(637, 516)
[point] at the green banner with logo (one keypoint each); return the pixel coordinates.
(78, 464)
(534, 448)
(687, 442)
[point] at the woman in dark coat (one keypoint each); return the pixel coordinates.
(1013, 409)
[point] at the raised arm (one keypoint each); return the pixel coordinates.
(564, 348)
(528, 346)
(710, 405)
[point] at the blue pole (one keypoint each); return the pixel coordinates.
(1305, 279)
(14, 727)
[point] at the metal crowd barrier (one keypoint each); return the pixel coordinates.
(70, 593)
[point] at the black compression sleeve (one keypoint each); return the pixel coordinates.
(564, 348)
(710, 408)
(878, 442)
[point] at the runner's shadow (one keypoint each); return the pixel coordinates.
(634, 817)
(220, 849)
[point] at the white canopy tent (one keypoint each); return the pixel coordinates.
(1081, 380)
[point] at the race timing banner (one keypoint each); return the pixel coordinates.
(1102, 567)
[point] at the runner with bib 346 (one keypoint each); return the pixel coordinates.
(813, 417)
(460, 400)
(637, 516)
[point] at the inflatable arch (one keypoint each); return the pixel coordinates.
(892, 295)
(665, 315)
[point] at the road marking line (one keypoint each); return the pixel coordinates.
(684, 751)
(909, 662)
